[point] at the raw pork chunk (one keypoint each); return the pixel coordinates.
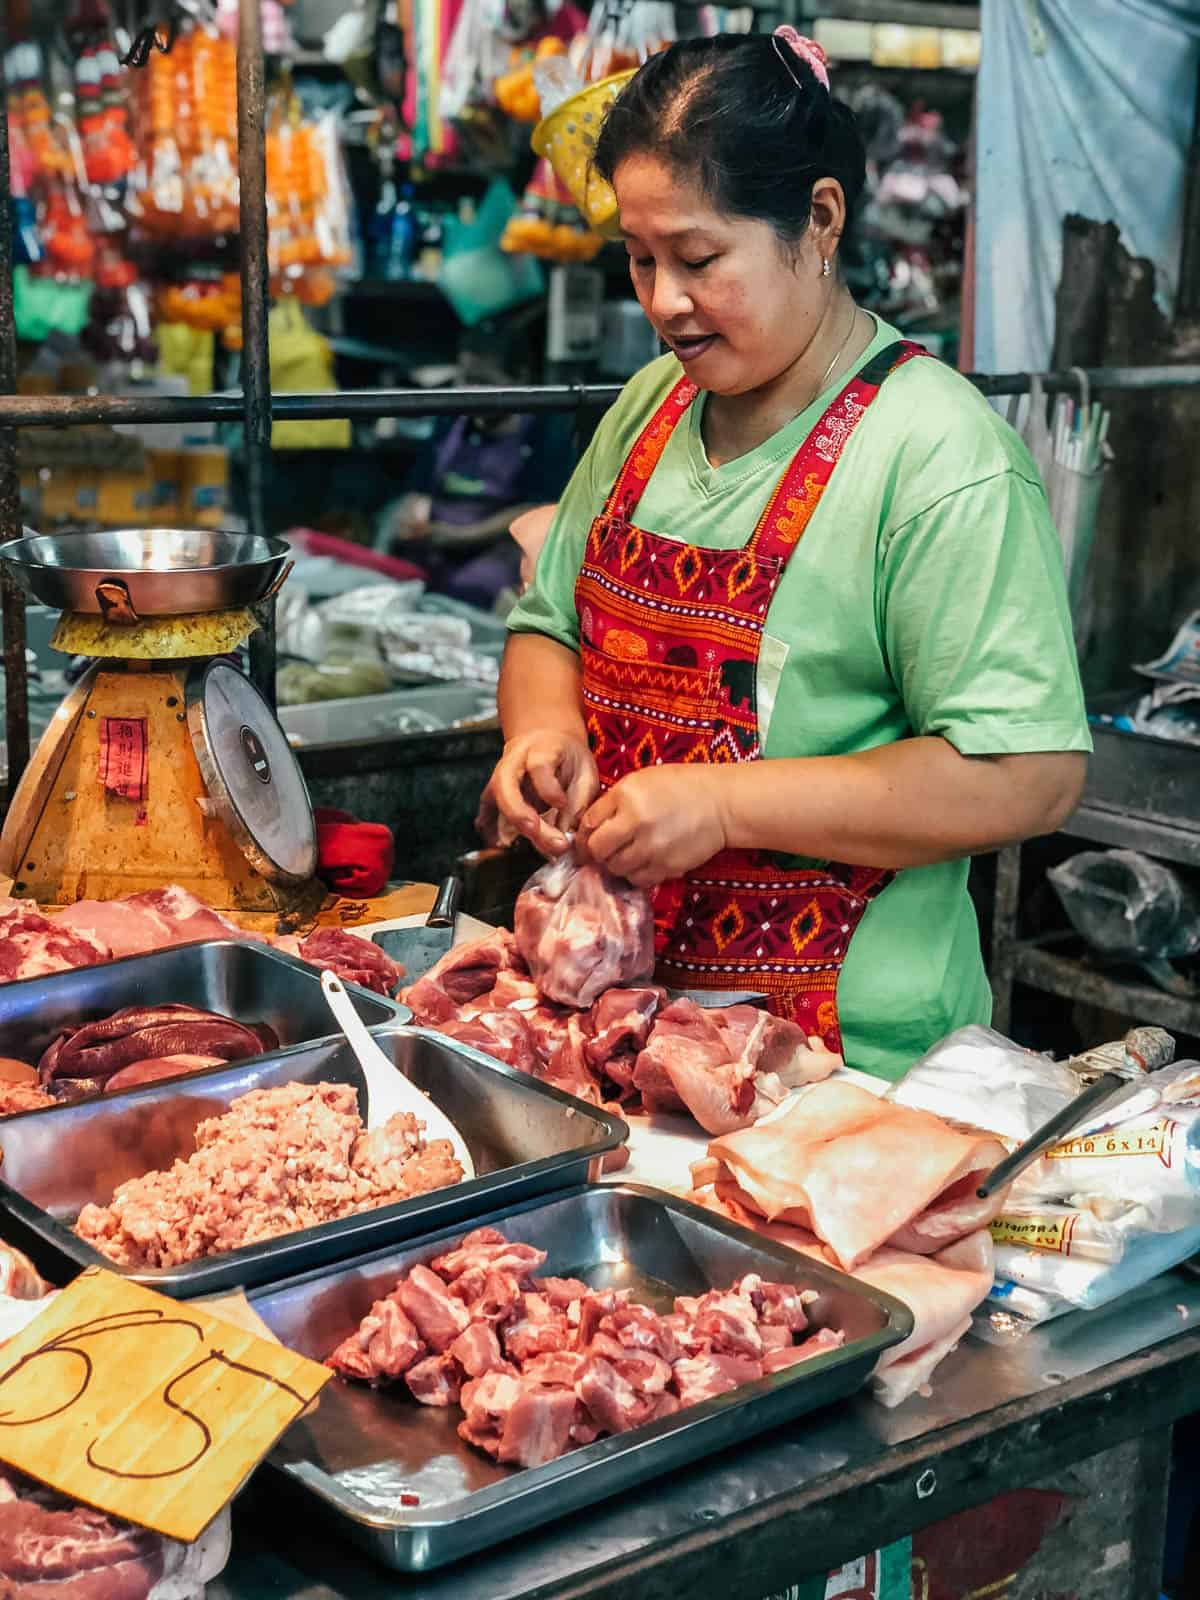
(463, 974)
(728, 1067)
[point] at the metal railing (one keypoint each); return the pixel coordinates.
(257, 409)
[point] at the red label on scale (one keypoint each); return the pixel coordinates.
(124, 757)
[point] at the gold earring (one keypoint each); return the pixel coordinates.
(825, 267)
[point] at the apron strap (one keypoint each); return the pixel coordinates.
(787, 512)
(647, 452)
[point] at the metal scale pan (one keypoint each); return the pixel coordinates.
(130, 573)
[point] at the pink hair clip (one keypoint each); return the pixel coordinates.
(808, 50)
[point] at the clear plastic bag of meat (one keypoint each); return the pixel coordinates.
(582, 931)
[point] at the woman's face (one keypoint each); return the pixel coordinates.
(737, 306)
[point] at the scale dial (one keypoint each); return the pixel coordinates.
(251, 773)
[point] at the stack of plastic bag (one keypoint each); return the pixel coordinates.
(379, 632)
(979, 1078)
(1105, 1211)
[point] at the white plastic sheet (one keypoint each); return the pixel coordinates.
(1083, 108)
(978, 1077)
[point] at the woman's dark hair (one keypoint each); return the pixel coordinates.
(745, 116)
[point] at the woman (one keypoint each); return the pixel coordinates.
(794, 537)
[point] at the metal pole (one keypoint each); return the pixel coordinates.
(16, 711)
(256, 353)
(1005, 910)
(1187, 299)
(58, 411)
(916, 13)
(62, 411)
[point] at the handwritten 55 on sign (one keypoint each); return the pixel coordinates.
(148, 1409)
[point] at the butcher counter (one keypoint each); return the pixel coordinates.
(1082, 1407)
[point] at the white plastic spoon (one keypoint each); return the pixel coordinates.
(385, 1085)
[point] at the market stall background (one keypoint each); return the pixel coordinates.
(923, 200)
(436, 794)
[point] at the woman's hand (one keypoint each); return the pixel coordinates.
(656, 824)
(545, 770)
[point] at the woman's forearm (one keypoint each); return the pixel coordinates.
(902, 805)
(540, 687)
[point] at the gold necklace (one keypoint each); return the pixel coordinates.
(839, 353)
(820, 389)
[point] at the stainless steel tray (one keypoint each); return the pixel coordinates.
(525, 1139)
(248, 982)
(362, 1448)
(396, 714)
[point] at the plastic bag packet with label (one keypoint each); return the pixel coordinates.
(978, 1077)
(1068, 1231)
(1147, 1155)
(1088, 1285)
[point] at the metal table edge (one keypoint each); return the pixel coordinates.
(907, 1474)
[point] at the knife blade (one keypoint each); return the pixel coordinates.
(420, 948)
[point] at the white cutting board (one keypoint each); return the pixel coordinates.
(465, 928)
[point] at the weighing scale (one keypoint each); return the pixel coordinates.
(163, 765)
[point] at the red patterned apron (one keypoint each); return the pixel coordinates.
(669, 639)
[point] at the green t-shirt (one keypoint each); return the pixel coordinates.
(926, 596)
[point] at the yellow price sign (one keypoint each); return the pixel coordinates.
(148, 1408)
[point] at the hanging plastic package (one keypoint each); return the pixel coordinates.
(478, 278)
(308, 206)
(301, 361)
(187, 352)
(26, 245)
(1131, 908)
(42, 306)
(429, 37)
(476, 57)
(548, 224)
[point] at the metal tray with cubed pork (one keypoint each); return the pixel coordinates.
(525, 1139)
(396, 1478)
